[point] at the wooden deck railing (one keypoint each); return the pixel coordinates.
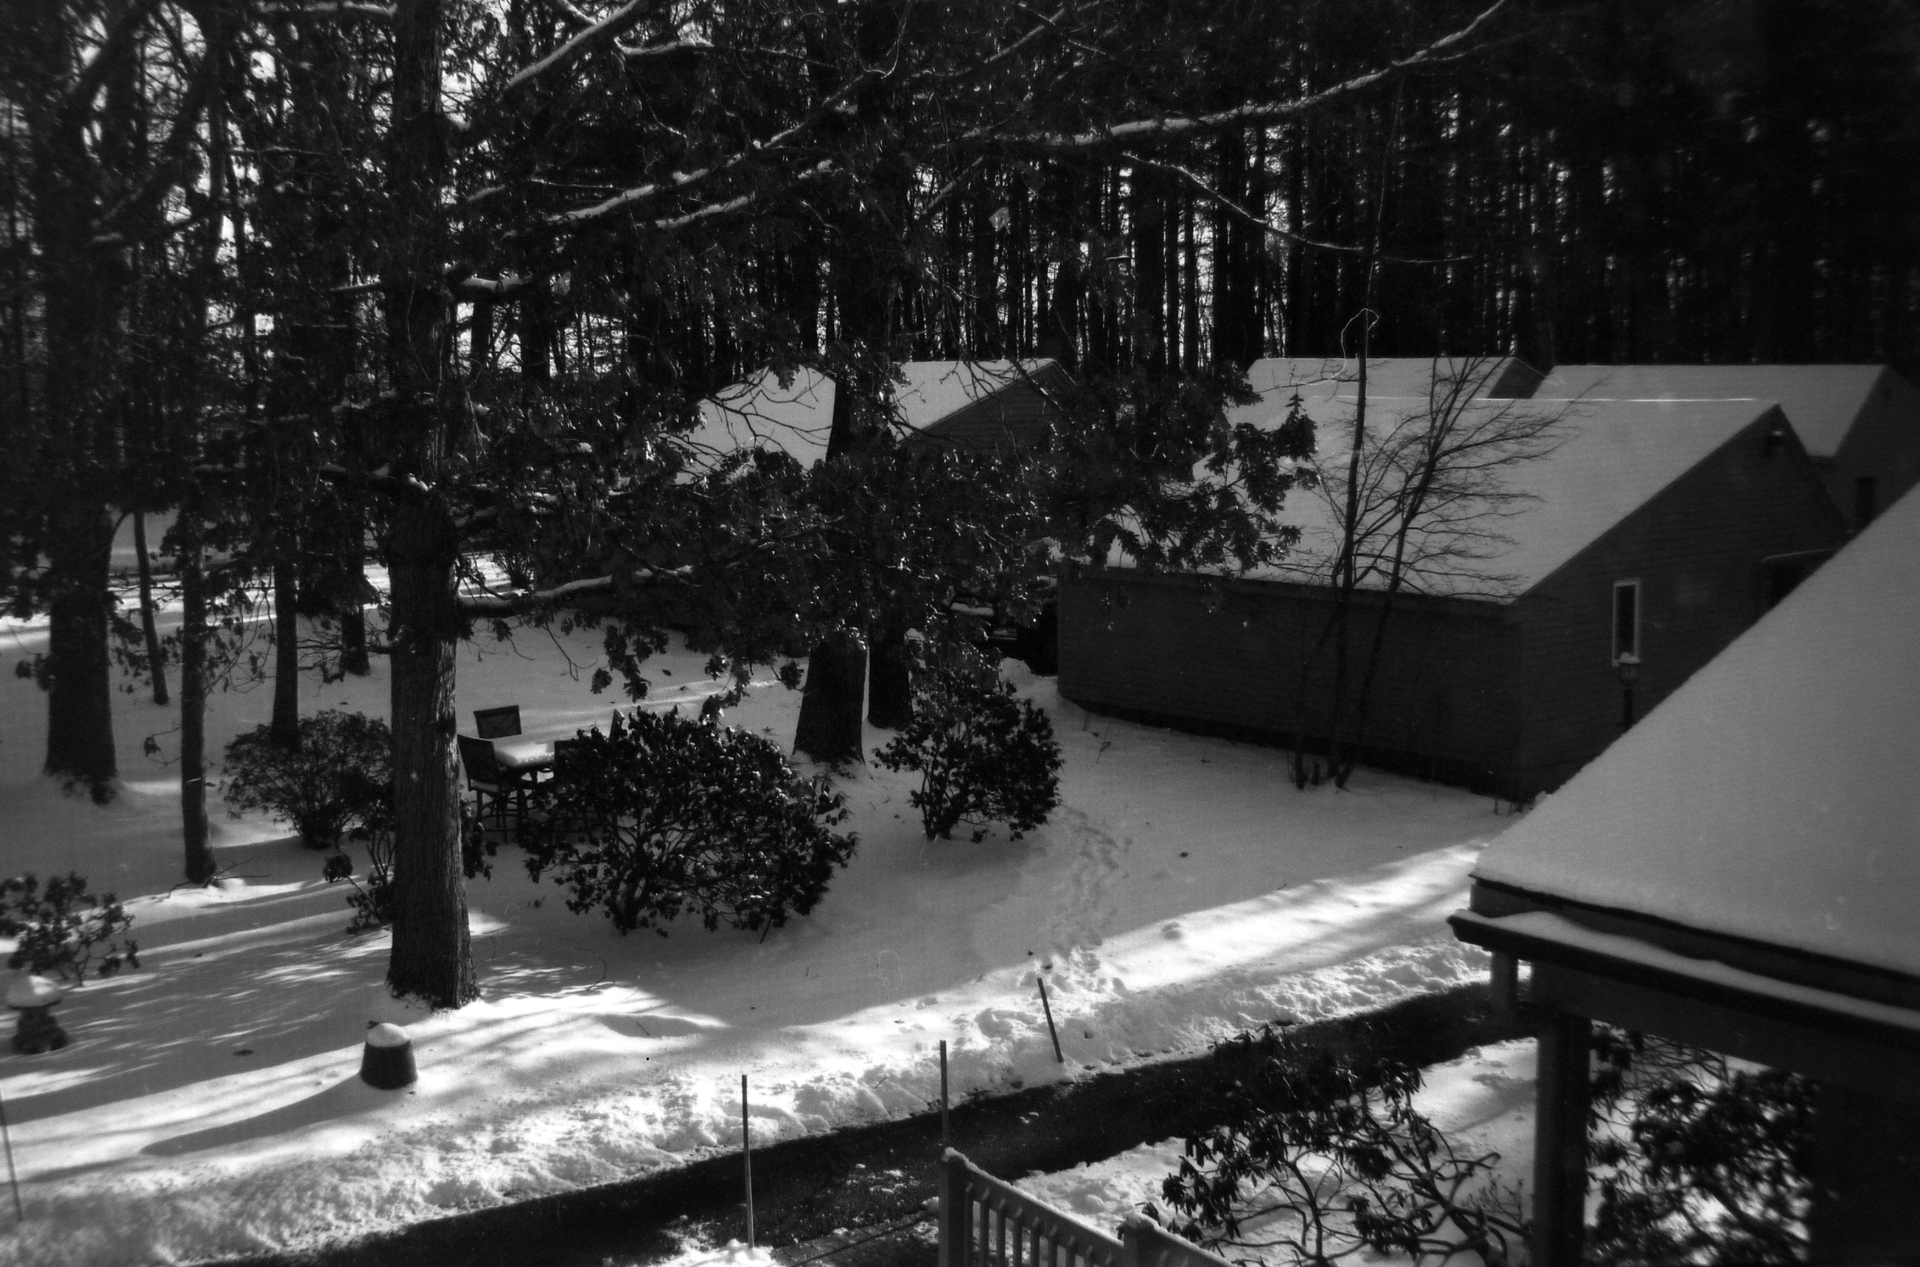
(985, 1222)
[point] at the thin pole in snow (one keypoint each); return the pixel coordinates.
(746, 1154)
(1048, 1009)
(945, 1138)
(19, 1211)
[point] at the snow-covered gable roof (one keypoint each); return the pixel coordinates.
(1821, 401)
(1610, 458)
(798, 419)
(936, 389)
(1773, 796)
(759, 412)
(1276, 378)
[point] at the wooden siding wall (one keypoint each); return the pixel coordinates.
(1224, 658)
(1697, 549)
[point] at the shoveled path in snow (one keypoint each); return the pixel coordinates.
(817, 1192)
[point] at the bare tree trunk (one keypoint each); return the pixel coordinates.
(156, 657)
(1347, 578)
(80, 745)
(432, 954)
(193, 701)
(829, 727)
(285, 727)
(890, 690)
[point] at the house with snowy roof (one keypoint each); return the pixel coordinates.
(1861, 423)
(1739, 873)
(978, 404)
(1604, 571)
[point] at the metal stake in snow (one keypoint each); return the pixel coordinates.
(746, 1154)
(945, 1139)
(1048, 1009)
(19, 1211)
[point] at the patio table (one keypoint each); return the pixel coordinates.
(521, 755)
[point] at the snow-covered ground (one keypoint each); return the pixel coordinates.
(209, 1103)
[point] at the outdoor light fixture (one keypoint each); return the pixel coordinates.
(1628, 666)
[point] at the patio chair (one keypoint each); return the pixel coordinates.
(491, 784)
(497, 723)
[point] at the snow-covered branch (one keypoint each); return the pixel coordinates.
(680, 180)
(532, 600)
(601, 32)
(329, 8)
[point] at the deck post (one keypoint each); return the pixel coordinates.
(1564, 1094)
(955, 1216)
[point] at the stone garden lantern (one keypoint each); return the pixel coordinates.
(33, 997)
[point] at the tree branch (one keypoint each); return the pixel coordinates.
(604, 31)
(1138, 130)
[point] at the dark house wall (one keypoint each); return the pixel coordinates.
(1510, 698)
(1702, 550)
(1224, 657)
(1882, 446)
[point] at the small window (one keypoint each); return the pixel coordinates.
(1866, 501)
(1626, 621)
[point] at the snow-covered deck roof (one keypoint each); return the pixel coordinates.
(1821, 401)
(1608, 460)
(1774, 796)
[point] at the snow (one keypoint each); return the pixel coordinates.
(1773, 795)
(797, 419)
(1821, 401)
(1604, 460)
(1482, 1101)
(934, 389)
(209, 1103)
(1277, 378)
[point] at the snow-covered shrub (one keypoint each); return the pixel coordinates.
(984, 755)
(666, 815)
(338, 779)
(60, 926)
(1324, 1158)
(1696, 1160)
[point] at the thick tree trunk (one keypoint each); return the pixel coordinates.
(193, 704)
(890, 693)
(156, 657)
(80, 704)
(353, 622)
(829, 726)
(431, 957)
(285, 729)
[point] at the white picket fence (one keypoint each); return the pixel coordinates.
(985, 1222)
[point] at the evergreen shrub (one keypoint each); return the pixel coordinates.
(983, 754)
(339, 779)
(667, 815)
(60, 926)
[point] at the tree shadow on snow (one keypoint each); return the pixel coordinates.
(346, 1097)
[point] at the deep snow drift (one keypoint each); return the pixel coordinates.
(209, 1105)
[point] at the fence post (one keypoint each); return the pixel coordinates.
(954, 1211)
